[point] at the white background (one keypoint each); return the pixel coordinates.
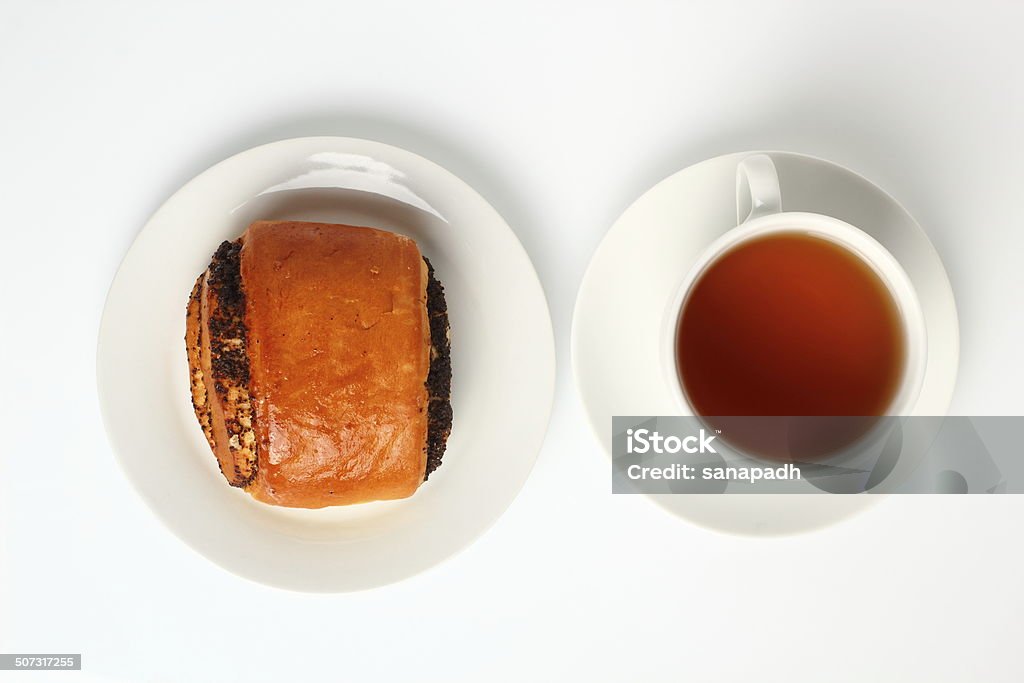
(560, 114)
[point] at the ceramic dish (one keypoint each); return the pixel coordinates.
(502, 357)
(637, 269)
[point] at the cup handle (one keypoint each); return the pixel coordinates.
(757, 188)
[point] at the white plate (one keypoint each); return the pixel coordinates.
(502, 357)
(617, 325)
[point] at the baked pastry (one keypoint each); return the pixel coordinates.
(319, 363)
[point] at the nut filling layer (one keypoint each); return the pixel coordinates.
(439, 379)
(219, 365)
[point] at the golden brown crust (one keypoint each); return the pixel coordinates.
(339, 347)
(319, 364)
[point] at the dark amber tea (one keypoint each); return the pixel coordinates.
(790, 324)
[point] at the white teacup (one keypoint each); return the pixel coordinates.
(759, 213)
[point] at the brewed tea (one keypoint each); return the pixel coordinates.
(790, 324)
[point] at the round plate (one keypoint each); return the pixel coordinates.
(491, 288)
(617, 325)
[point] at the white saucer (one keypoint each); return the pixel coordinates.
(503, 364)
(617, 325)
